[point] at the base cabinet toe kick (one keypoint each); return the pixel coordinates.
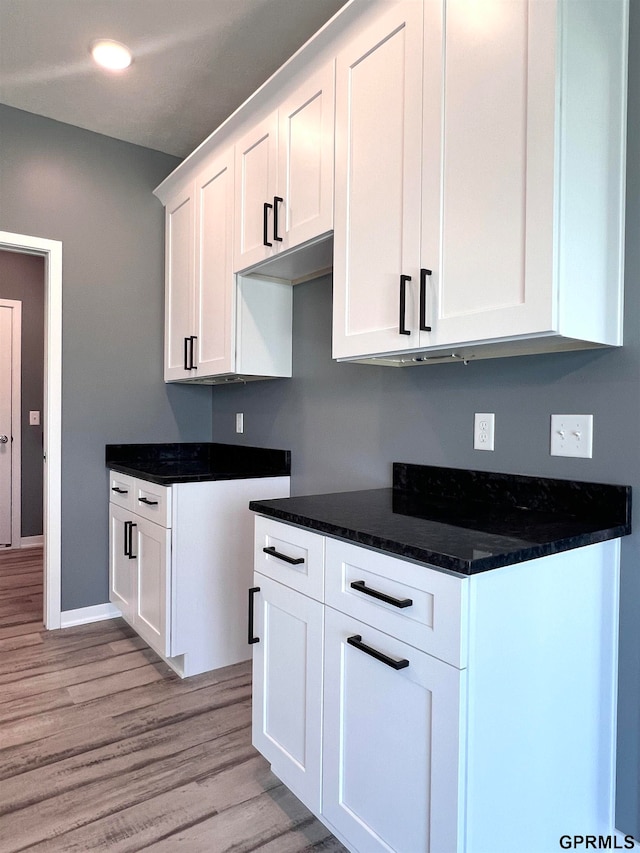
(418, 711)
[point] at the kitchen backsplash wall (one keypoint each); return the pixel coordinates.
(345, 424)
(95, 195)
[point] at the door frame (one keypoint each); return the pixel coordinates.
(16, 417)
(51, 250)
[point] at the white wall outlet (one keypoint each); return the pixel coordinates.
(572, 435)
(239, 422)
(484, 431)
(34, 418)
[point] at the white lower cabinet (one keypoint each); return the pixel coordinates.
(180, 563)
(418, 712)
(391, 740)
(287, 698)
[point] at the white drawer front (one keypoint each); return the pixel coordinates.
(427, 608)
(152, 502)
(290, 555)
(121, 490)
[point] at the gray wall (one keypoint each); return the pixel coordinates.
(94, 194)
(22, 278)
(346, 424)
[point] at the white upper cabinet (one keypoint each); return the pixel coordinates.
(217, 325)
(520, 178)
(285, 174)
(378, 160)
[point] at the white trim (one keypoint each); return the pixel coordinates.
(52, 252)
(32, 541)
(84, 615)
(622, 838)
(16, 418)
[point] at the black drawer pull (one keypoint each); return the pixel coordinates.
(265, 223)
(250, 638)
(147, 502)
(402, 329)
(119, 491)
(131, 555)
(127, 544)
(374, 593)
(356, 641)
(293, 561)
(423, 300)
(276, 201)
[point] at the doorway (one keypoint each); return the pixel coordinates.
(51, 250)
(10, 426)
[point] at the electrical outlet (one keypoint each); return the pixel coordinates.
(239, 422)
(572, 435)
(484, 431)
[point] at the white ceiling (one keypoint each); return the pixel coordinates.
(195, 61)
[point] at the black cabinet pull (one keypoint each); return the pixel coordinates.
(403, 304)
(131, 555)
(127, 545)
(356, 641)
(276, 201)
(192, 340)
(147, 502)
(186, 354)
(382, 596)
(119, 490)
(250, 638)
(423, 300)
(265, 226)
(293, 561)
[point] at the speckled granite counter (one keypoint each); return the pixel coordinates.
(464, 521)
(193, 462)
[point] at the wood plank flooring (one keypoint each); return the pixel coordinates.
(103, 747)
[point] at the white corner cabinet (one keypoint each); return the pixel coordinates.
(480, 171)
(180, 562)
(218, 327)
(413, 710)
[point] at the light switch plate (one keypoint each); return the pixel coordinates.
(239, 422)
(572, 435)
(34, 418)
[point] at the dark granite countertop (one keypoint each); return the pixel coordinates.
(194, 462)
(464, 521)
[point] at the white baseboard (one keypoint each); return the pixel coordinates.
(84, 615)
(32, 541)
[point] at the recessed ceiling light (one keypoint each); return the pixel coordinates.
(111, 54)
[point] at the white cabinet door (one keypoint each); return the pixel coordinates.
(256, 168)
(122, 566)
(179, 283)
(305, 160)
(287, 686)
(152, 616)
(377, 186)
(494, 223)
(391, 754)
(215, 345)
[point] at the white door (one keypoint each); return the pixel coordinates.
(215, 282)
(10, 330)
(377, 187)
(122, 564)
(305, 159)
(257, 207)
(391, 754)
(287, 686)
(494, 276)
(152, 616)
(179, 285)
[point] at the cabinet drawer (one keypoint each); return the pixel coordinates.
(427, 608)
(152, 502)
(290, 555)
(121, 490)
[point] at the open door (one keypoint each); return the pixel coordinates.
(10, 331)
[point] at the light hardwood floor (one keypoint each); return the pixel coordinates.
(103, 747)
